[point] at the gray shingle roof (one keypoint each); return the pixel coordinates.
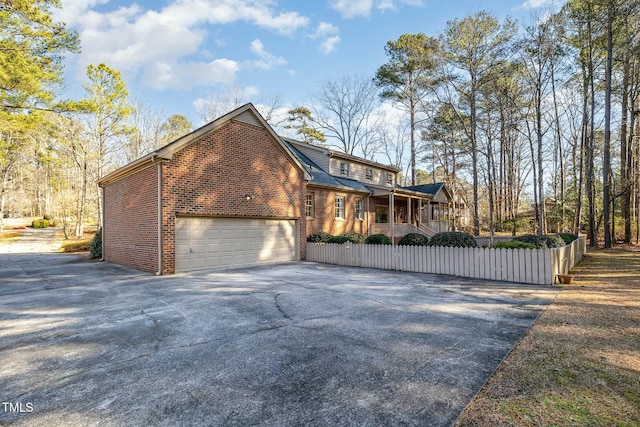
(431, 189)
(320, 177)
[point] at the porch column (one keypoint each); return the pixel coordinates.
(409, 210)
(391, 217)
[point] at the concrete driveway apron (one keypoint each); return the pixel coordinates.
(296, 344)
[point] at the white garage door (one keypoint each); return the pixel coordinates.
(229, 242)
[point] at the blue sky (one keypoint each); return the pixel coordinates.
(177, 54)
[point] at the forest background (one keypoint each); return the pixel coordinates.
(536, 128)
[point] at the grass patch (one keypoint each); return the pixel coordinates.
(75, 245)
(579, 363)
(78, 245)
(7, 235)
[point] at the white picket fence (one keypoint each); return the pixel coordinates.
(534, 266)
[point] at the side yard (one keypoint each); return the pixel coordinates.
(580, 362)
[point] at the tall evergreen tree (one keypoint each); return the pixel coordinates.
(474, 46)
(408, 76)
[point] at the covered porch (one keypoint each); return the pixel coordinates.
(398, 212)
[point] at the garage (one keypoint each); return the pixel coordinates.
(213, 242)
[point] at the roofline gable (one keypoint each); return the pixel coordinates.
(167, 152)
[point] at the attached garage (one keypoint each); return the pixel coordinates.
(228, 194)
(230, 242)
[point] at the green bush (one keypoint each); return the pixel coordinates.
(355, 237)
(347, 237)
(338, 239)
(568, 237)
(414, 239)
(542, 242)
(513, 244)
(40, 223)
(378, 239)
(47, 217)
(319, 237)
(555, 241)
(456, 239)
(95, 248)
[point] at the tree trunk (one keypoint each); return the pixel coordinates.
(474, 157)
(541, 218)
(593, 231)
(606, 167)
(625, 153)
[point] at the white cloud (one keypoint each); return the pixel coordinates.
(185, 75)
(232, 96)
(353, 8)
(329, 45)
(72, 11)
(329, 35)
(267, 60)
(535, 4)
(325, 29)
(155, 44)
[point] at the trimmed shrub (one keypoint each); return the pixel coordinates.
(40, 223)
(338, 239)
(95, 248)
(568, 237)
(47, 217)
(413, 239)
(319, 237)
(513, 244)
(378, 239)
(542, 242)
(555, 241)
(355, 237)
(347, 237)
(455, 239)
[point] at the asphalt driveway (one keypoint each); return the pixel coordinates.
(86, 343)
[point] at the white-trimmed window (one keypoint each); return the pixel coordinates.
(309, 206)
(339, 207)
(359, 209)
(389, 178)
(369, 174)
(344, 169)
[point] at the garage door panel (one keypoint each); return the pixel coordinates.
(227, 242)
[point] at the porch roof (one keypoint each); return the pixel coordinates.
(402, 192)
(431, 189)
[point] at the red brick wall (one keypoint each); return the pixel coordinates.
(324, 215)
(213, 176)
(130, 231)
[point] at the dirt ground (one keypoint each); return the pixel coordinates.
(579, 364)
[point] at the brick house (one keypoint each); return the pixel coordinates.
(351, 194)
(234, 193)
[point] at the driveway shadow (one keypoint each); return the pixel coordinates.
(292, 344)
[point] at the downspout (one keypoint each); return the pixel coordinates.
(153, 159)
(102, 222)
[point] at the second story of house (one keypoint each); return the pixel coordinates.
(347, 167)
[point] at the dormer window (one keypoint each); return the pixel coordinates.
(369, 174)
(389, 178)
(344, 169)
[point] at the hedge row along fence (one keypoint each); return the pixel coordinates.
(532, 266)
